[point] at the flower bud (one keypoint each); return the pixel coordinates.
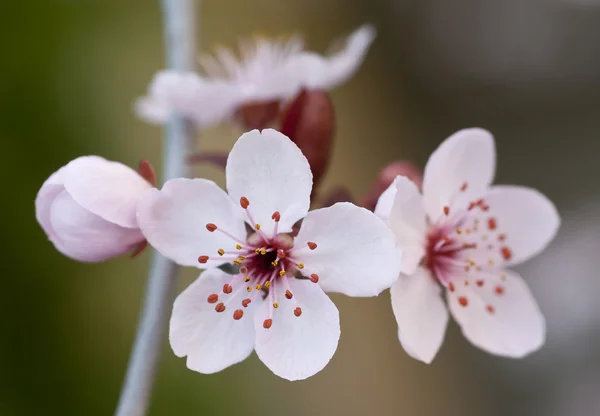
(309, 122)
(386, 177)
(88, 208)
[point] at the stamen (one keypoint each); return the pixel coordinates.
(506, 253)
(246, 302)
(311, 245)
(492, 224)
(451, 286)
(227, 289)
(314, 278)
(446, 210)
(490, 308)
(464, 186)
(499, 290)
(238, 246)
(257, 226)
(267, 323)
(282, 273)
(211, 227)
(268, 284)
(237, 315)
(289, 294)
(463, 301)
(257, 287)
(276, 216)
(247, 279)
(301, 265)
(479, 282)
(220, 307)
(275, 305)
(244, 202)
(213, 298)
(298, 311)
(221, 252)
(203, 259)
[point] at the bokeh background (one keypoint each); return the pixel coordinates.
(528, 70)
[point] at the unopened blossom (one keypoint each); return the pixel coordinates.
(461, 236)
(276, 303)
(88, 208)
(253, 84)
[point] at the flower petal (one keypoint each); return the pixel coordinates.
(85, 236)
(407, 221)
(297, 347)
(325, 72)
(50, 190)
(206, 102)
(421, 314)
(468, 156)
(211, 340)
(108, 189)
(385, 202)
(498, 314)
(272, 173)
(174, 221)
(526, 218)
(356, 252)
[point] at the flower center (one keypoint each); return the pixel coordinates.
(465, 246)
(264, 263)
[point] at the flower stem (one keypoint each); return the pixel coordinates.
(179, 22)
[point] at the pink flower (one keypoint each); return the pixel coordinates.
(461, 234)
(276, 304)
(88, 208)
(253, 85)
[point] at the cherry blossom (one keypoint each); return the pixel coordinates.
(88, 208)
(285, 259)
(252, 86)
(460, 236)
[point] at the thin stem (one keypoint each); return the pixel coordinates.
(179, 22)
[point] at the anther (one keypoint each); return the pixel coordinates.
(257, 287)
(276, 216)
(451, 286)
(211, 227)
(242, 258)
(464, 187)
(246, 302)
(221, 252)
(463, 301)
(479, 283)
(257, 251)
(227, 288)
(490, 308)
(247, 279)
(282, 273)
(298, 311)
(506, 253)
(267, 284)
(237, 315)
(257, 226)
(243, 270)
(314, 278)
(263, 251)
(499, 290)
(244, 202)
(238, 246)
(274, 263)
(213, 298)
(275, 305)
(502, 237)
(220, 307)
(492, 224)
(249, 289)
(311, 245)
(267, 323)
(301, 265)
(202, 259)
(446, 210)
(236, 262)
(289, 294)
(459, 231)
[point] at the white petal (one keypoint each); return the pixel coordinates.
(407, 221)
(515, 325)
(204, 101)
(174, 221)
(421, 314)
(527, 218)
(108, 189)
(298, 347)
(356, 252)
(51, 188)
(85, 236)
(272, 173)
(211, 340)
(385, 202)
(468, 156)
(319, 72)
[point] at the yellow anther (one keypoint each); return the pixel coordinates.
(236, 262)
(249, 288)
(468, 230)
(242, 258)
(267, 284)
(275, 305)
(238, 246)
(275, 262)
(466, 283)
(503, 276)
(300, 265)
(491, 262)
(257, 287)
(247, 279)
(263, 251)
(258, 226)
(221, 252)
(471, 262)
(282, 273)
(459, 230)
(257, 251)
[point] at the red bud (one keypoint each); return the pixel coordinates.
(258, 115)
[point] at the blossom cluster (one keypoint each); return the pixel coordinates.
(267, 261)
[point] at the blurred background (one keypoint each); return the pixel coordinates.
(528, 70)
